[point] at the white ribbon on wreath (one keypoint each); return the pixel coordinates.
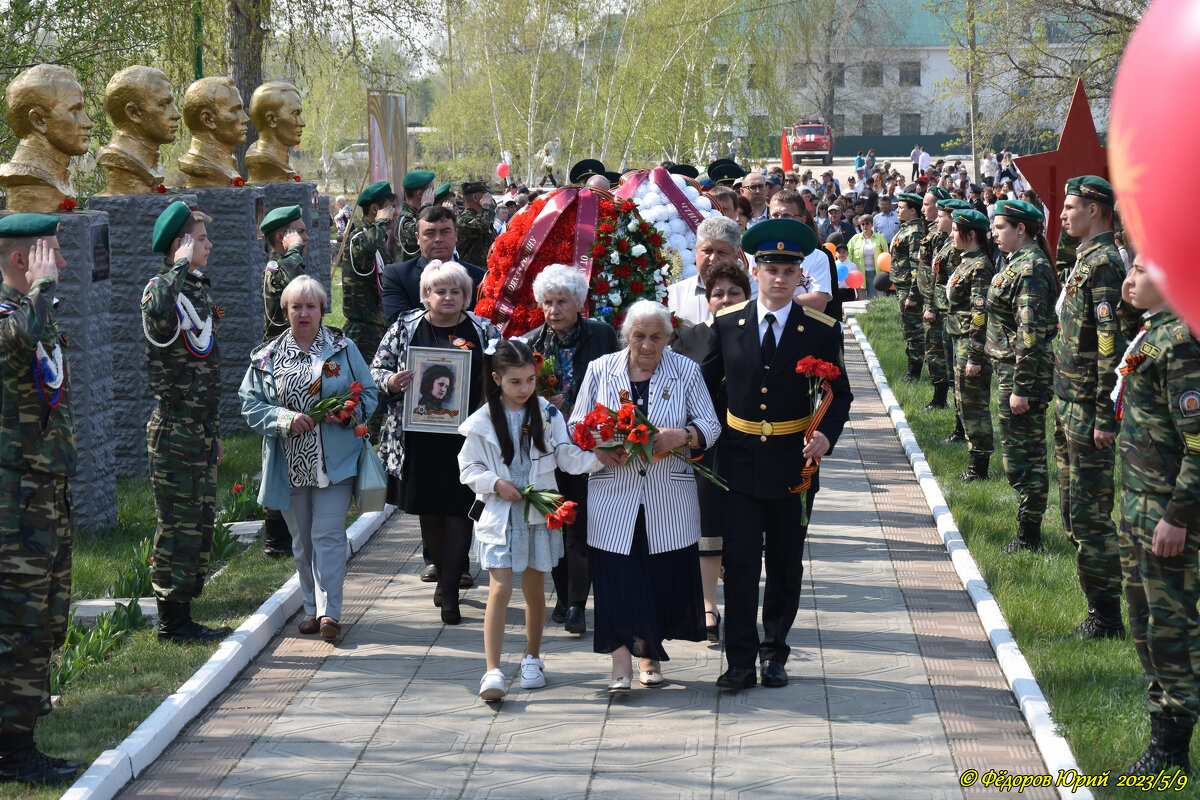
(660, 212)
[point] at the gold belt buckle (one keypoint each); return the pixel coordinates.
(767, 428)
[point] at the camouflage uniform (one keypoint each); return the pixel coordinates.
(280, 271)
(1064, 256)
(182, 433)
(37, 459)
(924, 291)
(476, 232)
(1160, 475)
(1086, 355)
(966, 322)
(362, 300)
(1020, 326)
(905, 247)
(406, 235)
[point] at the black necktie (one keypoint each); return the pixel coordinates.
(768, 342)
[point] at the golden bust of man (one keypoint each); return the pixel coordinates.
(45, 111)
(212, 110)
(141, 105)
(275, 111)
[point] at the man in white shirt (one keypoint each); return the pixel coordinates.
(887, 223)
(915, 155)
(718, 241)
(925, 161)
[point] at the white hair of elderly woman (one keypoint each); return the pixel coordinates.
(304, 287)
(561, 278)
(644, 310)
(719, 229)
(439, 272)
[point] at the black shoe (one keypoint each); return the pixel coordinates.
(1095, 628)
(736, 678)
(559, 614)
(576, 620)
(20, 760)
(175, 624)
(429, 574)
(1029, 537)
(437, 597)
(773, 674)
(451, 616)
(466, 581)
(958, 435)
(914, 371)
(939, 397)
(713, 632)
(277, 539)
(977, 468)
(1168, 750)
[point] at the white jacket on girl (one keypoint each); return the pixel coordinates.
(480, 466)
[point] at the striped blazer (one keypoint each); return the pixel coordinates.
(667, 489)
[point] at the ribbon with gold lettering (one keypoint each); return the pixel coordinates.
(539, 232)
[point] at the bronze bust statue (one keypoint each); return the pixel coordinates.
(212, 109)
(141, 105)
(45, 111)
(275, 111)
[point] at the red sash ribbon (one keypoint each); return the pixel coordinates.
(662, 179)
(559, 202)
(585, 232)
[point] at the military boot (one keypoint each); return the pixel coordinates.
(1170, 738)
(175, 624)
(20, 760)
(1029, 537)
(277, 539)
(939, 396)
(914, 370)
(959, 435)
(977, 468)
(1103, 620)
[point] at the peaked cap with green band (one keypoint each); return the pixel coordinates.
(780, 240)
(278, 217)
(25, 226)
(166, 227)
(1019, 209)
(1091, 187)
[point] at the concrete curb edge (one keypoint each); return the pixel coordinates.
(1053, 747)
(114, 768)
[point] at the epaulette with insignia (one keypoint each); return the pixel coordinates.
(733, 308)
(820, 316)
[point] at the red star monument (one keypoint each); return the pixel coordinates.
(1079, 153)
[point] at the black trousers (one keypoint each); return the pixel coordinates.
(572, 575)
(758, 529)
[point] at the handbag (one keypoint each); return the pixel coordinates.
(370, 484)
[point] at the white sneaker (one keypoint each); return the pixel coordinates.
(533, 673)
(491, 686)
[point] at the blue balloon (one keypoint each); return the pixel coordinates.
(843, 271)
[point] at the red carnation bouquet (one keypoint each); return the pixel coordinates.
(341, 408)
(630, 265)
(550, 504)
(820, 397)
(628, 429)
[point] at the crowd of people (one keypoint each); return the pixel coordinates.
(648, 539)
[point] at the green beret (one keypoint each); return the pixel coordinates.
(939, 193)
(166, 227)
(780, 240)
(278, 217)
(375, 193)
(24, 226)
(912, 198)
(442, 190)
(1019, 209)
(951, 203)
(971, 218)
(417, 179)
(1091, 187)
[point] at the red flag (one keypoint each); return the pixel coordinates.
(786, 153)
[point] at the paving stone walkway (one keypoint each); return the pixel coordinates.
(894, 687)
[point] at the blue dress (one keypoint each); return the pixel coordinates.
(537, 548)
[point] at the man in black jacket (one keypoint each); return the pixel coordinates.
(437, 237)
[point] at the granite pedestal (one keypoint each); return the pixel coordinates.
(133, 264)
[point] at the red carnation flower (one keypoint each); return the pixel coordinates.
(623, 245)
(606, 227)
(238, 181)
(656, 239)
(602, 286)
(161, 189)
(628, 207)
(583, 437)
(674, 321)
(598, 251)
(645, 228)
(623, 271)
(607, 432)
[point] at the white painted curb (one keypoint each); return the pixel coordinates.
(1054, 748)
(114, 768)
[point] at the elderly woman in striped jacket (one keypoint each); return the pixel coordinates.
(644, 519)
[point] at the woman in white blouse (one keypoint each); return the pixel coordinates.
(644, 519)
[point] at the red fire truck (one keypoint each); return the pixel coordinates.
(812, 138)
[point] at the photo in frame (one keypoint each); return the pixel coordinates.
(438, 399)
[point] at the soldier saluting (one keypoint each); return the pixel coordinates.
(1158, 403)
(37, 460)
(362, 302)
(183, 367)
(750, 370)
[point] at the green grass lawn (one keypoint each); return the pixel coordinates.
(334, 317)
(1095, 689)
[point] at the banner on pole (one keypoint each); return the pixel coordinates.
(387, 137)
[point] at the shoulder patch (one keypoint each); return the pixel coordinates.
(5, 308)
(1105, 344)
(1026, 314)
(979, 319)
(820, 316)
(979, 302)
(1192, 440)
(272, 266)
(1104, 312)
(1189, 403)
(733, 308)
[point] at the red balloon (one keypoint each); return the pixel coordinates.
(502, 169)
(855, 279)
(1149, 131)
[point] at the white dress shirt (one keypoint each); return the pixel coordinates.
(780, 321)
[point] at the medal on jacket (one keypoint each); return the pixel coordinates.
(48, 374)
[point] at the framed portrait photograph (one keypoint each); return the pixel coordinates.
(439, 398)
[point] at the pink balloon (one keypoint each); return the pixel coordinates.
(502, 169)
(1149, 128)
(855, 279)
